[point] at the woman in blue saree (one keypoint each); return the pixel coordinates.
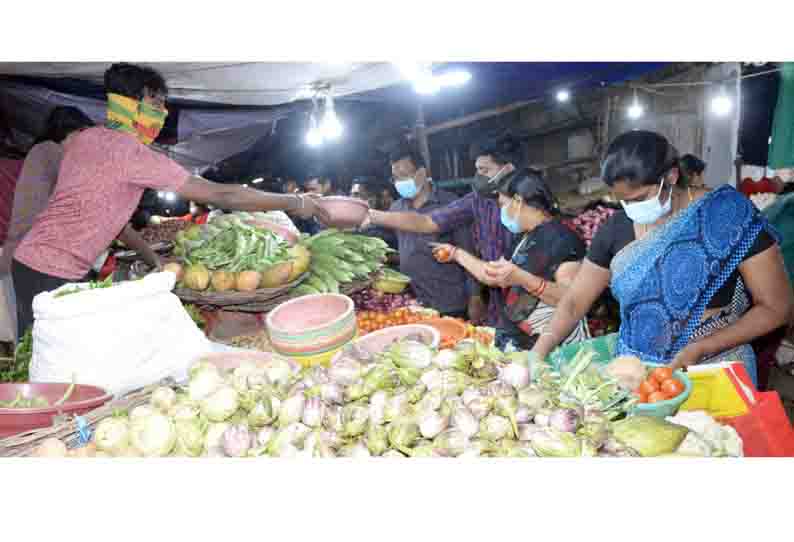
(698, 274)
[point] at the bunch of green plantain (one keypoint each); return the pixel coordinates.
(339, 258)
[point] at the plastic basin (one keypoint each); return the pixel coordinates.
(450, 330)
(18, 420)
(662, 409)
(378, 341)
(345, 212)
(312, 328)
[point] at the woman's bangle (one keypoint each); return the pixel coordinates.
(452, 254)
(540, 289)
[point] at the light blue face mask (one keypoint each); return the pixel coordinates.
(406, 188)
(511, 224)
(648, 211)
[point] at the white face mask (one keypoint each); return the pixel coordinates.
(648, 211)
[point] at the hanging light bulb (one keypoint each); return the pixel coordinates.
(454, 78)
(721, 104)
(314, 137)
(635, 110)
(331, 127)
(563, 95)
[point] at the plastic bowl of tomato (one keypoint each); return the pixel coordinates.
(663, 392)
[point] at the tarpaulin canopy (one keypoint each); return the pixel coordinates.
(222, 109)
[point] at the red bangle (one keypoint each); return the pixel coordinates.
(540, 289)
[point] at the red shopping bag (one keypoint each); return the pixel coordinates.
(765, 430)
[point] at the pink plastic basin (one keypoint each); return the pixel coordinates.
(378, 341)
(19, 420)
(309, 313)
(345, 212)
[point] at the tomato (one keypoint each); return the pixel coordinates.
(672, 387)
(657, 396)
(660, 374)
(649, 386)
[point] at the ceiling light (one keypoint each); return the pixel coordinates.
(563, 95)
(635, 110)
(453, 78)
(331, 127)
(721, 104)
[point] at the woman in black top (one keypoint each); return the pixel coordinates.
(698, 274)
(545, 260)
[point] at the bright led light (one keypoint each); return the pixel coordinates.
(331, 128)
(170, 197)
(563, 95)
(410, 70)
(721, 105)
(635, 111)
(314, 138)
(160, 194)
(454, 78)
(427, 85)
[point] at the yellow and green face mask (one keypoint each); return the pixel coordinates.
(135, 117)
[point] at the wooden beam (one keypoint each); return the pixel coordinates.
(474, 117)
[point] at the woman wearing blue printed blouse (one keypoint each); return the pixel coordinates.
(698, 274)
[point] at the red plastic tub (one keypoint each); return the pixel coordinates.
(19, 420)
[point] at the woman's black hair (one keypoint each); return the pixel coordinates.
(62, 121)
(690, 165)
(409, 152)
(503, 149)
(530, 186)
(130, 80)
(638, 157)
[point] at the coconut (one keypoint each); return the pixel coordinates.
(248, 281)
(223, 281)
(197, 277)
(277, 275)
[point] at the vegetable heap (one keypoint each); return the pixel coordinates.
(340, 258)
(407, 401)
(228, 254)
(20, 401)
(16, 369)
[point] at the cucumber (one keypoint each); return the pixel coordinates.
(305, 289)
(331, 283)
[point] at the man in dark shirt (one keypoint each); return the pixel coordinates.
(436, 285)
(370, 192)
(478, 210)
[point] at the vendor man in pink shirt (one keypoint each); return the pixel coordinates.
(102, 177)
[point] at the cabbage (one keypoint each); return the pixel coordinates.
(377, 439)
(189, 437)
(183, 412)
(494, 427)
(141, 411)
(163, 399)
(354, 420)
(204, 383)
(411, 355)
(263, 413)
(291, 409)
(153, 436)
(112, 435)
(403, 435)
(220, 405)
(451, 443)
(550, 443)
